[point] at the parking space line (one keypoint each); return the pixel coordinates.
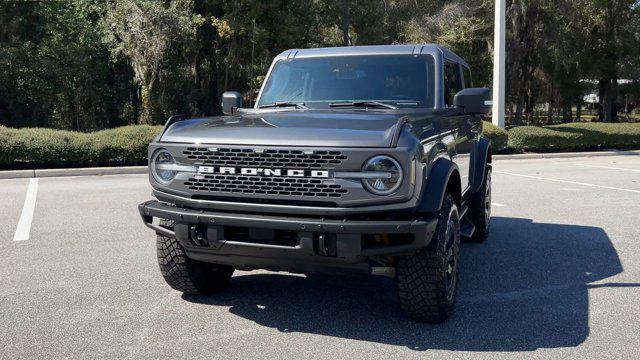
(568, 182)
(496, 204)
(608, 167)
(24, 225)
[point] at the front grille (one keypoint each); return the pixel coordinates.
(281, 186)
(272, 158)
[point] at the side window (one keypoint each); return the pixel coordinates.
(466, 74)
(452, 82)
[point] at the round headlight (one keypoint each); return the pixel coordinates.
(389, 175)
(161, 166)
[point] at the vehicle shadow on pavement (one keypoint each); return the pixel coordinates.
(526, 288)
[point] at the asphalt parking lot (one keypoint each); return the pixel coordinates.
(558, 278)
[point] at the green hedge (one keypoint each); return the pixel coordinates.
(124, 145)
(37, 147)
(575, 136)
(496, 135)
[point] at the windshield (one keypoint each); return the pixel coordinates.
(398, 80)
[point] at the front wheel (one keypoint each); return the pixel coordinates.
(427, 280)
(187, 275)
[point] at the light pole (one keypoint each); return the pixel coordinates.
(499, 50)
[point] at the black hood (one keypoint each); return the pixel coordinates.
(291, 128)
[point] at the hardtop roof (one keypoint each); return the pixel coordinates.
(407, 49)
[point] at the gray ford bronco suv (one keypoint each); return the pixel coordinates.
(353, 160)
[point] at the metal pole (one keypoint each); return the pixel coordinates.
(253, 46)
(499, 53)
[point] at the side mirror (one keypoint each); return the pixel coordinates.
(231, 101)
(473, 100)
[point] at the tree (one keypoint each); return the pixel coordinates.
(143, 31)
(614, 44)
(54, 70)
(462, 26)
(90, 64)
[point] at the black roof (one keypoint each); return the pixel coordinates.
(406, 49)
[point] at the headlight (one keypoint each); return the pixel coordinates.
(163, 166)
(386, 175)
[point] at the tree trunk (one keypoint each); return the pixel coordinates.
(579, 111)
(567, 116)
(344, 9)
(145, 104)
(517, 119)
(550, 109)
(135, 103)
(509, 119)
(225, 85)
(608, 84)
(608, 90)
(626, 104)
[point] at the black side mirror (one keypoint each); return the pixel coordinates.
(473, 100)
(231, 101)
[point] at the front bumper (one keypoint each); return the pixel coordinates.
(249, 207)
(303, 256)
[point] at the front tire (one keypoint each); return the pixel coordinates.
(187, 275)
(427, 280)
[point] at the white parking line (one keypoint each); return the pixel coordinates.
(496, 204)
(608, 167)
(568, 182)
(24, 225)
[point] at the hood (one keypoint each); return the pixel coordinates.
(328, 128)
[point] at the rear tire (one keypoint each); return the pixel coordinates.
(480, 209)
(187, 275)
(427, 280)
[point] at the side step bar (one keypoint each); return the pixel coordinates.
(466, 226)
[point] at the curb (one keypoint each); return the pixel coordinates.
(127, 170)
(17, 174)
(97, 171)
(566, 155)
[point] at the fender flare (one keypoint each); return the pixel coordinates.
(436, 185)
(480, 157)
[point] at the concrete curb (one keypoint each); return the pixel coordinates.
(17, 174)
(97, 171)
(565, 155)
(21, 174)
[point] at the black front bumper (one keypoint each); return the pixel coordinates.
(350, 254)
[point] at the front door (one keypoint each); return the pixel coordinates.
(460, 124)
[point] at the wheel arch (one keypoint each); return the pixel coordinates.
(443, 178)
(480, 157)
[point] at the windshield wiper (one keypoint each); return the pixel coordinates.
(298, 105)
(364, 104)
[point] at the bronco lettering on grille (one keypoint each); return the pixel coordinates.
(226, 170)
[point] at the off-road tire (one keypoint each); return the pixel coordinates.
(426, 280)
(187, 275)
(479, 212)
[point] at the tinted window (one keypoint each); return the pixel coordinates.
(404, 81)
(452, 82)
(466, 74)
